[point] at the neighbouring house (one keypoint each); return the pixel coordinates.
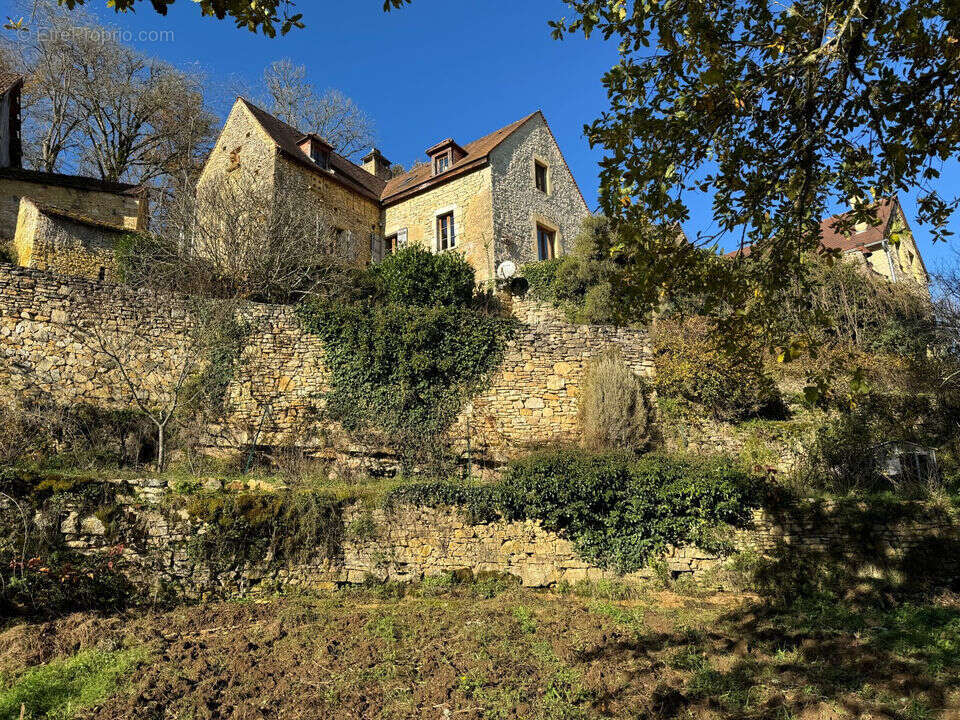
(51, 238)
(507, 196)
(101, 205)
(887, 248)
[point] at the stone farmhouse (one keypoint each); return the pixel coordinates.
(506, 196)
(887, 249)
(62, 223)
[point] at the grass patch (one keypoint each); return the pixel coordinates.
(60, 689)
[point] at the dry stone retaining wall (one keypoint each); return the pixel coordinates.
(409, 543)
(276, 394)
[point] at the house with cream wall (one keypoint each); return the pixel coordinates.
(506, 196)
(886, 248)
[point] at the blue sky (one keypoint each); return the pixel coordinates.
(435, 69)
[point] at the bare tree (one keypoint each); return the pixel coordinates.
(243, 236)
(51, 119)
(92, 104)
(161, 377)
(331, 114)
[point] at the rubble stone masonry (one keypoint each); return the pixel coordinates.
(408, 543)
(276, 393)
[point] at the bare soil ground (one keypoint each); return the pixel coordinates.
(467, 652)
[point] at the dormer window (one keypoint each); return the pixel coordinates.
(444, 155)
(317, 150)
(320, 157)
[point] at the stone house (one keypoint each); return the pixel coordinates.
(93, 203)
(506, 196)
(887, 248)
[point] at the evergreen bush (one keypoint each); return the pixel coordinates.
(618, 510)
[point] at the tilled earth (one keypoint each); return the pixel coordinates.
(519, 654)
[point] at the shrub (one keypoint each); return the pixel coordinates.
(404, 360)
(694, 363)
(614, 411)
(584, 282)
(541, 277)
(49, 434)
(279, 527)
(415, 276)
(617, 510)
(620, 512)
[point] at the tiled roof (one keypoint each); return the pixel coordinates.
(832, 240)
(8, 79)
(421, 177)
(72, 181)
(288, 139)
(858, 241)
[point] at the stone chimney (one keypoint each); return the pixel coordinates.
(376, 164)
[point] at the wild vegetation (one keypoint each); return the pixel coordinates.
(407, 347)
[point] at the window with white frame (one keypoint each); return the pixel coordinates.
(446, 234)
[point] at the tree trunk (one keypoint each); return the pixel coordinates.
(161, 449)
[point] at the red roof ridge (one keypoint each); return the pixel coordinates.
(421, 177)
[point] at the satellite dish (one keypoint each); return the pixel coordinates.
(507, 270)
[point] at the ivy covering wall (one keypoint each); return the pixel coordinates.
(414, 343)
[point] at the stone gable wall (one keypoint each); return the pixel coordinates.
(52, 242)
(518, 206)
(278, 384)
(120, 210)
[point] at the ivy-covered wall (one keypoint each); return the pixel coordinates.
(276, 392)
(158, 540)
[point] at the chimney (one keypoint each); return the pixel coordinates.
(376, 164)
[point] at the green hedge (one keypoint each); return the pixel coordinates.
(619, 511)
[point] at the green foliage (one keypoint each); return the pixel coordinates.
(541, 279)
(719, 102)
(693, 363)
(586, 283)
(414, 276)
(843, 306)
(277, 528)
(618, 510)
(614, 408)
(264, 16)
(61, 689)
(402, 363)
(39, 575)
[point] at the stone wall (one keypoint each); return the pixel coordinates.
(532, 399)
(276, 393)
(518, 206)
(469, 197)
(106, 202)
(408, 543)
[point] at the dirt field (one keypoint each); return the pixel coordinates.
(492, 651)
